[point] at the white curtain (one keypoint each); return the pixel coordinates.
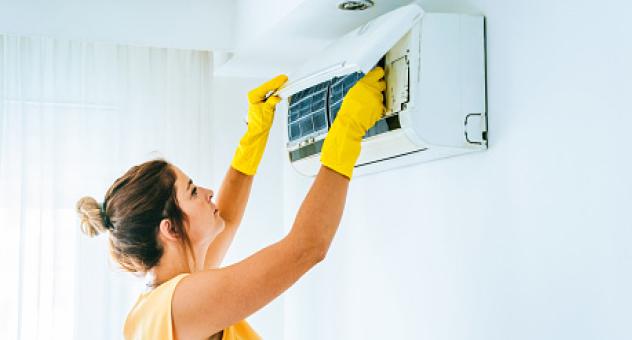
(74, 116)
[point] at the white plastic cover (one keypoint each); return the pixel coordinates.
(358, 50)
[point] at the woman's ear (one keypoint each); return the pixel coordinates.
(167, 231)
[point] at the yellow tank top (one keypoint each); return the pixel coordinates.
(150, 318)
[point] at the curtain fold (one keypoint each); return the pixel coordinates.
(74, 116)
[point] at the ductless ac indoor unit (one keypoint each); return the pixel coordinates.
(435, 98)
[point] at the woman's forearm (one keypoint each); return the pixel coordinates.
(319, 216)
(231, 203)
(233, 196)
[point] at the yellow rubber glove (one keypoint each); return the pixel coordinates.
(361, 108)
(260, 117)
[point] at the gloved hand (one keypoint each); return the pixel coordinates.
(361, 108)
(260, 117)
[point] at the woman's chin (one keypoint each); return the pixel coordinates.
(219, 226)
(221, 220)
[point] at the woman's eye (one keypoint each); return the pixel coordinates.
(195, 191)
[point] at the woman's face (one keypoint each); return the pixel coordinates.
(205, 223)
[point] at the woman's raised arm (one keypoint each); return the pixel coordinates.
(209, 301)
(235, 190)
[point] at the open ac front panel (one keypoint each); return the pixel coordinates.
(435, 97)
(312, 112)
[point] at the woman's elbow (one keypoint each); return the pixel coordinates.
(309, 249)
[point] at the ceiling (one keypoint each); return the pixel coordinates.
(185, 24)
(251, 38)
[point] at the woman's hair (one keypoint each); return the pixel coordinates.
(132, 210)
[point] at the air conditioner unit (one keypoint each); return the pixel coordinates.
(435, 97)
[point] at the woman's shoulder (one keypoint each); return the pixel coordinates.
(163, 291)
(152, 310)
(171, 283)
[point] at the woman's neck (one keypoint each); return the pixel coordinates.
(172, 263)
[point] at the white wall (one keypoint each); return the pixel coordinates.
(262, 224)
(529, 240)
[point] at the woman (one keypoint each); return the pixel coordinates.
(162, 224)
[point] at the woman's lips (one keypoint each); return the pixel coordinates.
(212, 207)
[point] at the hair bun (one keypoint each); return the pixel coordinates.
(89, 211)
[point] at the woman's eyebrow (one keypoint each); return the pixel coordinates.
(189, 185)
